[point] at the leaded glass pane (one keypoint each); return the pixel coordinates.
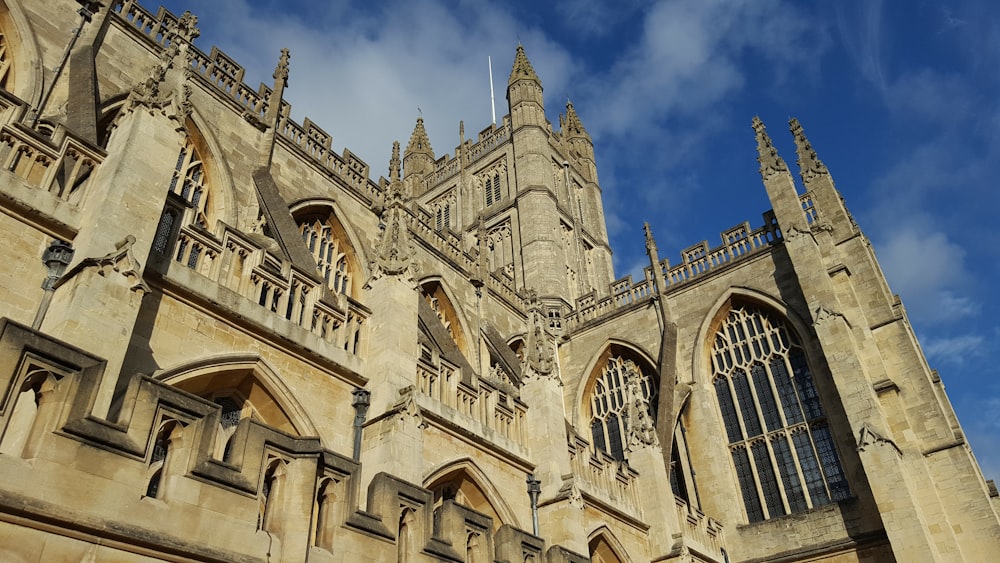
(810, 468)
(789, 474)
(804, 382)
(831, 464)
(747, 406)
(789, 402)
(747, 486)
(615, 437)
(768, 482)
(728, 410)
(768, 406)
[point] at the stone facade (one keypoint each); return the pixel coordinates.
(222, 341)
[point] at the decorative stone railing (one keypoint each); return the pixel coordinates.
(450, 245)
(737, 243)
(605, 478)
(488, 405)
(701, 533)
(234, 261)
(225, 75)
(62, 166)
(489, 140)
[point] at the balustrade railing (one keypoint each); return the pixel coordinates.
(703, 533)
(62, 166)
(488, 405)
(737, 242)
(235, 262)
(605, 478)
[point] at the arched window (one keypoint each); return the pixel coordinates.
(158, 458)
(621, 386)
(5, 64)
(778, 435)
(190, 183)
(269, 496)
(328, 244)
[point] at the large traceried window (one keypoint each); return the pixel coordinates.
(621, 386)
(778, 435)
(327, 243)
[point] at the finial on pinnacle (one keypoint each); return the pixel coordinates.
(770, 162)
(394, 163)
(187, 27)
(281, 71)
(650, 243)
(810, 165)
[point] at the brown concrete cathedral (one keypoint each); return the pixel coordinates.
(222, 341)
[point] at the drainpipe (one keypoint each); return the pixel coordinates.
(534, 489)
(361, 400)
(56, 257)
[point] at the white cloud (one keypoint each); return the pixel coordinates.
(928, 271)
(954, 350)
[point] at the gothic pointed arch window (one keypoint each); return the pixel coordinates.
(327, 241)
(190, 182)
(622, 405)
(778, 434)
(492, 182)
(6, 76)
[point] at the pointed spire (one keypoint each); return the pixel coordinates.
(522, 67)
(650, 243)
(394, 163)
(810, 165)
(419, 141)
(281, 71)
(767, 155)
(572, 126)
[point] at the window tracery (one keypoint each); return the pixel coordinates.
(442, 209)
(5, 62)
(327, 243)
(622, 406)
(190, 183)
(779, 439)
(491, 183)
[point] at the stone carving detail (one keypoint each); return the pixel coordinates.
(868, 437)
(394, 248)
(407, 407)
(767, 155)
(641, 428)
(824, 314)
(120, 260)
(541, 357)
(166, 91)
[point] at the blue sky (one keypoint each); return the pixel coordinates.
(900, 99)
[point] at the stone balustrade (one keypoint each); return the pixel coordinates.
(488, 405)
(604, 478)
(737, 243)
(62, 165)
(234, 261)
(700, 533)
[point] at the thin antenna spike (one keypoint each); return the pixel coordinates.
(493, 104)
